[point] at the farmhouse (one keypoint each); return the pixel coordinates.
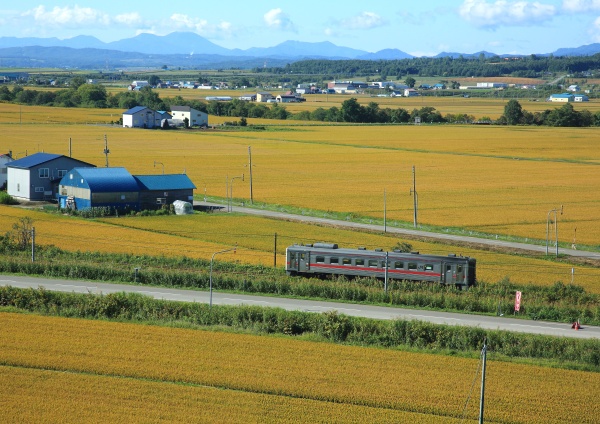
(4, 159)
(581, 98)
(158, 190)
(195, 117)
(573, 88)
(36, 177)
(141, 117)
(263, 96)
(410, 92)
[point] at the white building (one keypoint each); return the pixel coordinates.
(4, 159)
(195, 117)
(141, 117)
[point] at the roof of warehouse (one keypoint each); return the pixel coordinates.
(165, 182)
(105, 180)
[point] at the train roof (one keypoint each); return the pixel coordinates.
(333, 247)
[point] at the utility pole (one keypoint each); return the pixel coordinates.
(32, 244)
(481, 398)
(415, 197)
(106, 151)
(275, 252)
(250, 168)
(384, 213)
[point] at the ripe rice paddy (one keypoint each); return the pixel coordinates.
(497, 180)
(145, 373)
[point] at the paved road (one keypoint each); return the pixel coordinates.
(376, 312)
(392, 230)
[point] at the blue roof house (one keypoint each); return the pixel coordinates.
(158, 190)
(84, 188)
(36, 177)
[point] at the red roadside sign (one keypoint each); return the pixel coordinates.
(518, 301)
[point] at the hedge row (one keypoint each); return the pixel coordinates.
(330, 326)
(562, 303)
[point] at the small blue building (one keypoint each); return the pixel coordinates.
(158, 190)
(84, 188)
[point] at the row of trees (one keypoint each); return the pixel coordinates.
(481, 66)
(94, 95)
(564, 116)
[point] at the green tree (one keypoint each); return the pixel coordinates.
(153, 80)
(92, 95)
(410, 81)
(351, 111)
(513, 112)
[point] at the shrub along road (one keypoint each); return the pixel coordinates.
(359, 310)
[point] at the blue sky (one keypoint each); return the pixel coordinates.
(416, 27)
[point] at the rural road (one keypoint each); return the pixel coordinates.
(392, 230)
(368, 311)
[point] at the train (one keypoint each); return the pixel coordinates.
(327, 259)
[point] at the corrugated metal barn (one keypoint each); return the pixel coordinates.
(84, 188)
(158, 190)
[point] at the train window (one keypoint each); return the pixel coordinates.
(399, 265)
(293, 255)
(359, 262)
(346, 261)
(412, 266)
(373, 263)
(301, 255)
(320, 259)
(448, 268)
(428, 267)
(334, 260)
(459, 269)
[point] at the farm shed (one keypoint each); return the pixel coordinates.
(141, 117)
(36, 177)
(84, 188)
(562, 98)
(195, 117)
(158, 190)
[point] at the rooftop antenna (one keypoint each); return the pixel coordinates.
(106, 151)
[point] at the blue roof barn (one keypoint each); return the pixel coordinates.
(84, 188)
(157, 190)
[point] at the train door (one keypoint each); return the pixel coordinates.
(303, 261)
(451, 273)
(293, 261)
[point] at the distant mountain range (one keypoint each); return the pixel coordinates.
(186, 49)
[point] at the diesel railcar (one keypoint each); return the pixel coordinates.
(323, 259)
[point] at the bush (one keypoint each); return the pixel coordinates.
(7, 199)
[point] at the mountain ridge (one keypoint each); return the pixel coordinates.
(188, 48)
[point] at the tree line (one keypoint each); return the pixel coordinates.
(96, 96)
(481, 66)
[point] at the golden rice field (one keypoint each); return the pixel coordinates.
(263, 379)
(200, 235)
(498, 180)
